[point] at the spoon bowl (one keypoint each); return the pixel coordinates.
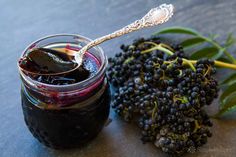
(62, 61)
(44, 61)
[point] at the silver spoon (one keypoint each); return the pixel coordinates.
(155, 16)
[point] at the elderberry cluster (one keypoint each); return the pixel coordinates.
(165, 93)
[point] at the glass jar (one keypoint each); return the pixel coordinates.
(64, 116)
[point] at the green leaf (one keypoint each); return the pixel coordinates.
(230, 40)
(228, 105)
(177, 30)
(207, 52)
(213, 36)
(192, 42)
(231, 89)
(224, 59)
(219, 54)
(229, 80)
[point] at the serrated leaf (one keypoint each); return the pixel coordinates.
(178, 30)
(231, 89)
(229, 80)
(228, 105)
(207, 52)
(192, 41)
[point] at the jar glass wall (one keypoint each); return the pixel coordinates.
(62, 116)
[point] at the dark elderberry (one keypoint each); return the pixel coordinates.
(166, 95)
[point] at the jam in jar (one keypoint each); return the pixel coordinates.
(64, 111)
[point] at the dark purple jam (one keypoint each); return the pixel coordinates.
(69, 119)
(89, 68)
(43, 61)
(66, 128)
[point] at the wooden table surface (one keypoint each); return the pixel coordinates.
(22, 22)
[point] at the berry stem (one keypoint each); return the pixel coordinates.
(158, 47)
(185, 61)
(161, 44)
(197, 126)
(191, 62)
(154, 110)
(219, 64)
(165, 49)
(128, 60)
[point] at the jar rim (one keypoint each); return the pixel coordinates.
(85, 82)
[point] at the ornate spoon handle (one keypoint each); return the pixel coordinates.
(155, 16)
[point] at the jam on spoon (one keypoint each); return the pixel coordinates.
(45, 65)
(47, 61)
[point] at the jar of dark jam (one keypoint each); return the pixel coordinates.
(70, 114)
